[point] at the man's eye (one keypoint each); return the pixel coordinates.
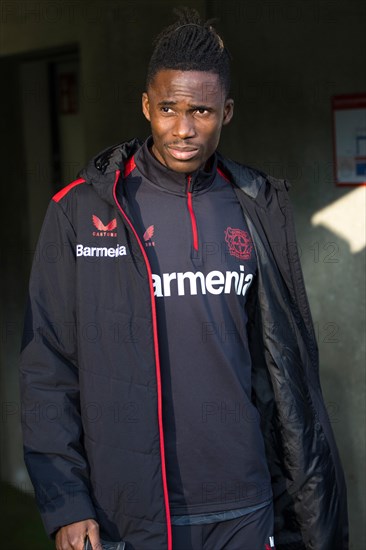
(202, 111)
(165, 109)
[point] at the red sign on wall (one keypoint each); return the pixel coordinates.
(349, 139)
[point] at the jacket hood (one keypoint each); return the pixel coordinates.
(100, 172)
(252, 181)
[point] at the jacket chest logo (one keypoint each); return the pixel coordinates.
(100, 251)
(104, 230)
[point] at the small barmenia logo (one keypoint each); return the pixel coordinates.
(101, 252)
(148, 236)
(104, 230)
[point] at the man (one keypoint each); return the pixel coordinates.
(184, 411)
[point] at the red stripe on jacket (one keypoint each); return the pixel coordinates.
(66, 189)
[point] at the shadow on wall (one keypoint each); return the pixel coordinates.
(334, 270)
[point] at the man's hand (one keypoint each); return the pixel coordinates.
(72, 536)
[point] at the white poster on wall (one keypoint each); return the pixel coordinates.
(349, 139)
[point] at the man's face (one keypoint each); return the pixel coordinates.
(187, 110)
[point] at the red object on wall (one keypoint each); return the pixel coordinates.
(349, 139)
(68, 103)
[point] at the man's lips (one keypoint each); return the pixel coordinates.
(182, 153)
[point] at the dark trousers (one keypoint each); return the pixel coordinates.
(253, 531)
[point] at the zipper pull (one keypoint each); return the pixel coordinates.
(189, 179)
(191, 213)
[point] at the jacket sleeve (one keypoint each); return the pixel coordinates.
(49, 386)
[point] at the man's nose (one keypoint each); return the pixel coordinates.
(184, 127)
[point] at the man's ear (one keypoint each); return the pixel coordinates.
(228, 111)
(146, 106)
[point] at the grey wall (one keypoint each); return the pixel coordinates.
(290, 57)
(15, 258)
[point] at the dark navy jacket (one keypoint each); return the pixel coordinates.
(90, 375)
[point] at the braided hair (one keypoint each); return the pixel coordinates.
(190, 45)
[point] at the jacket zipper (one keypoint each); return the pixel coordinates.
(157, 364)
(191, 213)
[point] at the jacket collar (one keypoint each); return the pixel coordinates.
(169, 180)
(100, 172)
